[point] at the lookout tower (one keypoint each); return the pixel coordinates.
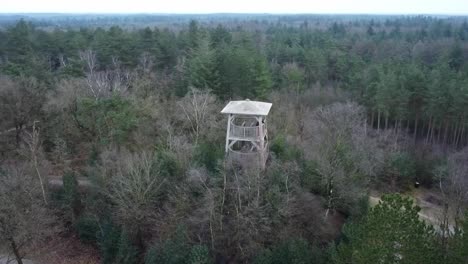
(247, 134)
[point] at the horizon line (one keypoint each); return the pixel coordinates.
(229, 13)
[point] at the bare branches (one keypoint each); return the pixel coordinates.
(23, 216)
(105, 83)
(21, 101)
(198, 107)
(34, 145)
(453, 182)
(345, 156)
(134, 187)
(89, 58)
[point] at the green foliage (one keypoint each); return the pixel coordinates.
(293, 77)
(202, 70)
(458, 244)
(177, 250)
(93, 156)
(456, 58)
(71, 195)
(406, 72)
(262, 82)
(401, 167)
(310, 177)
(127, 253)
(199, 254)
(110, 119)
(168, 165)
(208, 154)
(315, 65)
(283, 150)
(87, 228)
(293, 251)
(109, 241)
(391, 233)
(70, 187)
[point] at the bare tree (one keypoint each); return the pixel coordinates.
(453, 184)
(24, 218)
(94, 82)
(134, 186)
(146, 62)
(346, 158)
(199, 108)
(34, 147)
(20, 102)
(105, 82)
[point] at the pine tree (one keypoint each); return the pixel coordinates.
(391, 233)
(127, 253)
(262, 78)
(202, 70)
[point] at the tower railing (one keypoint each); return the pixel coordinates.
(247, 132)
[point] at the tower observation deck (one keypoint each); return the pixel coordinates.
(247, 133)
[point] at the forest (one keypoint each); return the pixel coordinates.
(112, 140)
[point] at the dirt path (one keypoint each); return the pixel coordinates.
(429, 201)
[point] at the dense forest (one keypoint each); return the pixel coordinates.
(111, 138)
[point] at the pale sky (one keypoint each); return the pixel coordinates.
(237, 6)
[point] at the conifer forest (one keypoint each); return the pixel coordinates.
(112, 141)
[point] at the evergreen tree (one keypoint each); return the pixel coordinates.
(458, 244)
(202, 70)
(127, 253)
(455, 59)
(262, 79)
(391, 233)
(289, 252)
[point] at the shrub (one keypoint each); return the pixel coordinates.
(110, 119)
(294, 251)
(71, 195)
(87, 229)
(174, 250)
(310, 178)
(207, 154)
(283, 150)
(127, 253)
(169, 167)
(400, 169)
(199, 254)
(109, 239)
(177, 250)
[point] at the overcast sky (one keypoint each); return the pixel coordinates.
(237, 6)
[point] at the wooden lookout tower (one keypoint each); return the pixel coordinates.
(247, 134)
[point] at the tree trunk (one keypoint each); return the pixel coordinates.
(439, 132)
(415, 129)
(445, 132)
(329, 198)
(431, 138)
(378, 120)
(455, 133)
(386, 122)
(397, 131)
(18, 129)
(365, 127)
(460, 135)
(429, 126)
(15, 250)
(466, 138)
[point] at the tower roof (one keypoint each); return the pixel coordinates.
(247, 107)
